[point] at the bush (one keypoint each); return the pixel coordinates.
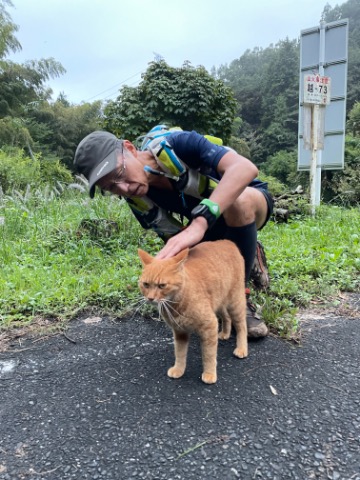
(281, 165)
(343, 187)
(276, 188)
(240, 146)
(53, 171)
(17, 171)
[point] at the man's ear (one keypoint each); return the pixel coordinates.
(130, 147)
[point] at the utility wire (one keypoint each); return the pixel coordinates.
(116, 93)
(110, 88)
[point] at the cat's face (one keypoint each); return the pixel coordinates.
(157, 286)
(161, 279)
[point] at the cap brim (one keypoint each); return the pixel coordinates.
(106, 166)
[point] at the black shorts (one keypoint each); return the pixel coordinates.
(217, 232)
(270, 203)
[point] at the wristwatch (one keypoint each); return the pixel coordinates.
(207, 209)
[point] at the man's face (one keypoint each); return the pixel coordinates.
(128, 179)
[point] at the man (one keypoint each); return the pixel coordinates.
(177, 175)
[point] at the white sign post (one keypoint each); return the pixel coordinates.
(316, 96)
(321, 137)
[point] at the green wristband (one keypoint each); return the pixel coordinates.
(213, 207)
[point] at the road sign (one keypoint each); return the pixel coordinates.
(317, 89)
(323, 52)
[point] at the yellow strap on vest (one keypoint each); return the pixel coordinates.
(216, 140)
(169, 160)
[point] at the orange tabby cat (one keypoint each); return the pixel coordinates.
(189, 290)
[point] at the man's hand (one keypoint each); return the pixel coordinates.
(189, 237)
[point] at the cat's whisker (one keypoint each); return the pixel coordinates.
(170, 313)
(137, 306)
(160, 310)
(172, 308)
(167, 300)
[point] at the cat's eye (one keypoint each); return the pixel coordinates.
(162, 286)
(146, 285)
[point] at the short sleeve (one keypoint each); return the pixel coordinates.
(196, 151)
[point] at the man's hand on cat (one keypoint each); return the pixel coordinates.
(189, 237)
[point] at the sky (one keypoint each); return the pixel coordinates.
(105, 44)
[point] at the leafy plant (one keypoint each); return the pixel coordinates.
(187, 97)
(17, 171)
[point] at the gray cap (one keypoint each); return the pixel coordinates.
(96, 156)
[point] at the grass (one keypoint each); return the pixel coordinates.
(55, 264)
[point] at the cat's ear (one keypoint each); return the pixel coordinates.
(145, 257)
(182, 256)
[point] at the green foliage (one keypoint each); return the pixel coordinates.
(8, 41)
(343, 187)
(22, 84)
(244, 76)
(309, 259)
(52, 171)
(188, 97)
(278, 135)
(240, 146)
(282, 165)
(57, 128)
(13, 132)
(276, 187)
(53, 266)
(354, 120)
(265, 84)
(17, 171)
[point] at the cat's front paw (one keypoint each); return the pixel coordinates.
(224, 336)
(209, 378)
(241, 352)
(175, 372)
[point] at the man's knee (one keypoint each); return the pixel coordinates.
(250, 206)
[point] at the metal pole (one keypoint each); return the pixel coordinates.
(319, 153)
(314, 157)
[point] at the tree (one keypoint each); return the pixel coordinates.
(57, 128)
(8, 41)
(354, 120)
(265, 84)
(282, 165)
(188, 97)
(22, 84)
(245, 77)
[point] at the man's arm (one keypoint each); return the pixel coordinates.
(236, 173)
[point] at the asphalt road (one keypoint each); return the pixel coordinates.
(104, 408)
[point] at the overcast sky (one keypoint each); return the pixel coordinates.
(104, 44)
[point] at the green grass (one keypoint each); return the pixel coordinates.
(52, 267)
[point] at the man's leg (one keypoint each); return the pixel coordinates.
(249, 213)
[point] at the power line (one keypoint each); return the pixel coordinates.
(110, 88)
(116, 92)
